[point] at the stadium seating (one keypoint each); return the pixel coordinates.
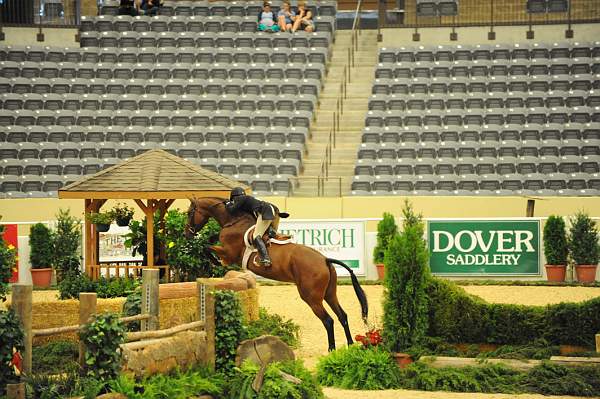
(197, 81)
(483, 120)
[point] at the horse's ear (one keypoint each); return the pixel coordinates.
(284, 215)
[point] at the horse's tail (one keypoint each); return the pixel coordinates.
(360, 294)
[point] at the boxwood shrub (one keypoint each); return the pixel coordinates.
(458, 317)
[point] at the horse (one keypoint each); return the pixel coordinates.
(314, 274)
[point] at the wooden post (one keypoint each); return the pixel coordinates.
(15, 391)
(150, 298)
(206, 312)
(530, 208)
(21, 303)
(597, 343)
(87, 308)
(87, 228)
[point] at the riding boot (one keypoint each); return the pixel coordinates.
(271, 232)
(259, 244)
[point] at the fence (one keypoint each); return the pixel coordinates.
(22, 296)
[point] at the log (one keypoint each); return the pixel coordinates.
(137, 317)
(575, 361)
(87, 308)
(597, 343)
(234, 284)
(136, 345)
(136, 336)
(55, 330)
(444, 361)
(177, 290)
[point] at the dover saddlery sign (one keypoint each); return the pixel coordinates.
(484, 247)
(339, 239)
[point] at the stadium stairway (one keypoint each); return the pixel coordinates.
(352, 120)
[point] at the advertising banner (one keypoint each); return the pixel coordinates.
(465, 247)
(340, 239)
(10, 237)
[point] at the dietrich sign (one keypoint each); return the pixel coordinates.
(335, 238)
(484, 247)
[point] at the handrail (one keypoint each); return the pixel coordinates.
(339, 105)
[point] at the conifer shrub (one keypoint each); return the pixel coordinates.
(407, 274)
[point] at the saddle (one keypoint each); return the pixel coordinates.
(280, 239)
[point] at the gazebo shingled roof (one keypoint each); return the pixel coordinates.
(153, 174)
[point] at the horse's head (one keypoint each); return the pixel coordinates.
(196, 219)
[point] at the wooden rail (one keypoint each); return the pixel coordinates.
(137, 336)
(45, 332)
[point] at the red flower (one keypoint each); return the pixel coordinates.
(371, 338)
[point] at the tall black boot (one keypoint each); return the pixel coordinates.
(259, 244)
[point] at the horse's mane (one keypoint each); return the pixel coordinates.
(251, 219)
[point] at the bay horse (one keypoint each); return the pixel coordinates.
(313, 273)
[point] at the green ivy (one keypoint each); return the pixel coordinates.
(12, 339)
(274, 324)
(583, 240)
(386, 230)
(102, 338)
(229, 327)
(407, 273)
(356, 367)
(8, 259)
(274, 386)
(131, 307)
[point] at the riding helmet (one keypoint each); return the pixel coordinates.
(236, 192)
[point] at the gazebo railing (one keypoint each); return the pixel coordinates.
(125, 269)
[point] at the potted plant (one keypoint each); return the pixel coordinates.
(41, 254)
(122, 214)
(583, 246)
(386, 229)
(555, 248)
(102, 220)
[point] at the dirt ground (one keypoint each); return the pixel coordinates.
(333, 393)
(285, 301)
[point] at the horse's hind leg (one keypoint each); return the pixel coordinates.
(316, 304)
(332, 301)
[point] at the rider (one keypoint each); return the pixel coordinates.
(266, 219)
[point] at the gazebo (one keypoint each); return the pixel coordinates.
(154, 180)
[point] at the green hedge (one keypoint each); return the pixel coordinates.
(456, 316)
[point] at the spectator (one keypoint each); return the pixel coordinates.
(266, 19)
(127, 7)
(285, 17)
(150, 7)
(303, 19)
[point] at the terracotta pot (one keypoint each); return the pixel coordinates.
(41, 277)
(402, 359)
(566, 350)
(586, 273)
(380, 270)
(556, 272)
(102, 228)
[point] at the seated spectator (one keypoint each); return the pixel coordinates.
(266, 19)
(303, 20)
(127, 7)
(285, 17)
(150, 7)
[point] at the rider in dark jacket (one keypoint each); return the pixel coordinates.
(265, 214)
